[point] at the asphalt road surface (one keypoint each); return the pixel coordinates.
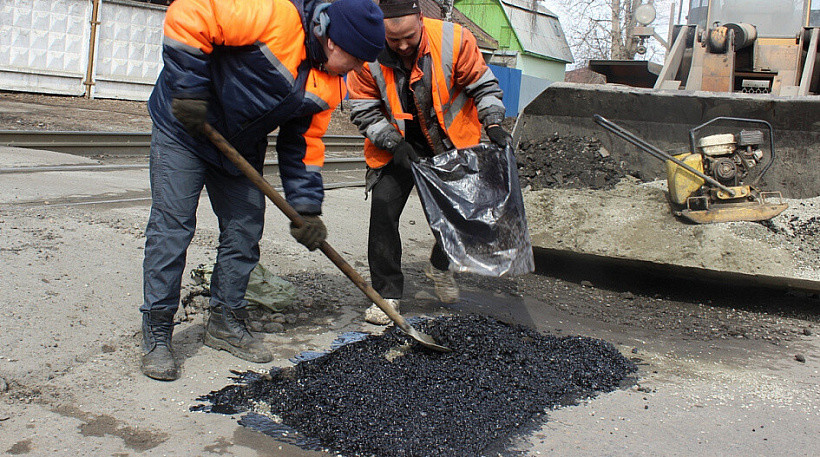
(718, 371)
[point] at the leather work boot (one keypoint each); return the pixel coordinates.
(376, 316)
(158, 356)
(227, 329)
(445, 283)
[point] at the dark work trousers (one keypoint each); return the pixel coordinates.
(177, 178)
(389, 195)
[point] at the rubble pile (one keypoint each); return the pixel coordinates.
(568, 162)
(385, 396)
(798, 230)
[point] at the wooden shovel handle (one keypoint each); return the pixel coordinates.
(233, 155)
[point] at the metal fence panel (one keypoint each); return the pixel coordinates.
(509, 79)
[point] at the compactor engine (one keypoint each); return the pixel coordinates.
(728, 157)
(710, 184)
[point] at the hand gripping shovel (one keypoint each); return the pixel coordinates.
(222, 144)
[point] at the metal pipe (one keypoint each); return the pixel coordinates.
(92, 46)
(671, 25)
(808, 67)
(680, 12)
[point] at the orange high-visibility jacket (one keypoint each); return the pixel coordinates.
(465, 93)
(251, 59)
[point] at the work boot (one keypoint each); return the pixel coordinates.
(158, 356)
(445, 282)
(227, 329)
(376, 316)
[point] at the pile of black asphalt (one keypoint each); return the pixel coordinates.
(568, 162)
(386, 396)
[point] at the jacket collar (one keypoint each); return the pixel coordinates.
(314, 28)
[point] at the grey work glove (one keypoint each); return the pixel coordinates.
(191, 112)
(312, 232)
(498, 135)
(403, 154)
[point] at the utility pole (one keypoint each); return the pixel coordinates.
(447, 8)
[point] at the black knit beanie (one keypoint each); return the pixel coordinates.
(398, 8)
(357, 26)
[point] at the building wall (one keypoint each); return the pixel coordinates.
(489, 15)
(44, 45)
(541, 68)
(129, 50)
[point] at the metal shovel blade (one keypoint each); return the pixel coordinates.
(233, 155)
(423, 338)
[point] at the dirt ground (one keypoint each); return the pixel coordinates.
(722, 370)
(23, 111)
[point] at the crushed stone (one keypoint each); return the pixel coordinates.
(380, 397)
(569, 162)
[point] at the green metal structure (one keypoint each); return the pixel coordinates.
(533, 39)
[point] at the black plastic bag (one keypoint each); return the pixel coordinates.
(472, 200)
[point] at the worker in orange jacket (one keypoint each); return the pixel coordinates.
(429, 91)
(247, 67)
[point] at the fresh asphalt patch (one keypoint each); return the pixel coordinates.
(383, 395)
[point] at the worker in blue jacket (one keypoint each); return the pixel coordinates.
(246, 67)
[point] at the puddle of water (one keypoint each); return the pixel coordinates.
(279, 431)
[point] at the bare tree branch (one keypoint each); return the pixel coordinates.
(604, 29)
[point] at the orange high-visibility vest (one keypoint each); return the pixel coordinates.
(456, 112)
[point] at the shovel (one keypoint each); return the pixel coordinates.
(233, 155)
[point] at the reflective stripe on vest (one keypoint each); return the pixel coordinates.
(456, 112)
(389, 98)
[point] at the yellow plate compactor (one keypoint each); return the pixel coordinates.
(707, 185)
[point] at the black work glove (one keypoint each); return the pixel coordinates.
(403, 154)
(498, 135)
(312, 232)
(191, 112)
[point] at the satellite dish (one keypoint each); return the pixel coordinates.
(645, 14)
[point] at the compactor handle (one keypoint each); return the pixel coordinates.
(655, 152)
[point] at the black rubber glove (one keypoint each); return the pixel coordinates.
(311, 234)
(191, 112)
(498, 135)
(403, 154)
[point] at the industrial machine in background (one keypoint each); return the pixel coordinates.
(742, 46)
(749, 46)
(754, 59)
(709, 184)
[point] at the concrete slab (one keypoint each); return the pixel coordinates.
(64, 186)
(634, 223)
(11, 157)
